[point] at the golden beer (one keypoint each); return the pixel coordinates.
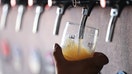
(73, 51)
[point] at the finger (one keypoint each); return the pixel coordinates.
(103, 3)
(100, 58)
(58, 55)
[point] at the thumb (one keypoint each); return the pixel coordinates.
(58, 55)
(100, 59)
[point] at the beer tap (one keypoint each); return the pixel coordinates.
(87, 8)
(40, 4)
(117, 7)
(62, 5)
(21, 8)
(5, 10)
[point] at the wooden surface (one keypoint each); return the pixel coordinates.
(119, 51)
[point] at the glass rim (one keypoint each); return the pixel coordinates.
(73, 23)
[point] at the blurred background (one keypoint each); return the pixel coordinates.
(18, 49)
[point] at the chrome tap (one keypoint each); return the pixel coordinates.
(111, 25)
(87, 8)
(40, 4)
(5, 10)
(117, 7)
(21, 8)
(39, 10)
(62, 5)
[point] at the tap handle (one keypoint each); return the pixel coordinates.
(111, 25)
(83, 22)
(5, 11)
(86, 12)
(59, 13)
(115, 13)
(21, 10)
(39, 10)
(62, 6)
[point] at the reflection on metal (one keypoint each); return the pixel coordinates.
(59, 13)
(111, 25)
(39, 10)
(5, 11)
(21, 10)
